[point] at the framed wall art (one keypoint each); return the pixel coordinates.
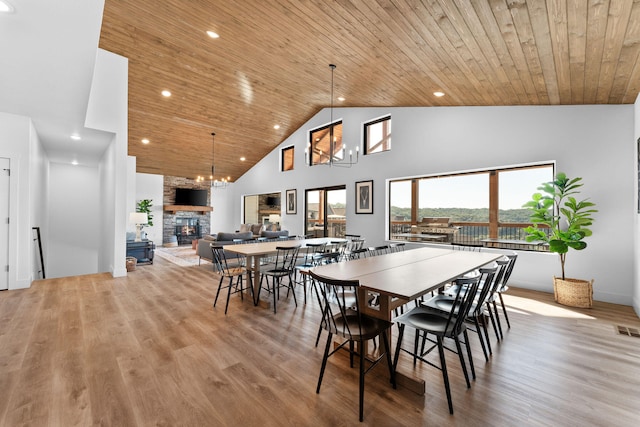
(292, 202)
(364, 197)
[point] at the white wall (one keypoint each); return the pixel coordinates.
(107, 110)
(594, 142)
(74, 219)
(39, 202)
(16, 136)
(636, 191)
(149, 186)
(225, 216)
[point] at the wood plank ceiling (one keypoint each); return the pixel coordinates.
(270, 65)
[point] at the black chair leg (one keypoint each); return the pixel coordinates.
(320, 328)
(462, 363)
(468, 345)
(486, 334)
(319, 333)
(445, 376)
(293, 291)
(218, 292)
(416, 342)
(304, 286)
(351, 352)
(226, 306)
(482, 344)
(493, 321)
(398, 346)
(387, 350)
(324, 361)
(275, 291)
(360, 347)
(504, 310)
(495, 310)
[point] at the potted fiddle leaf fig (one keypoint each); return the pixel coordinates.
(562, 222)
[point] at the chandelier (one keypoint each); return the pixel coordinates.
(224, 182)
(337, 153)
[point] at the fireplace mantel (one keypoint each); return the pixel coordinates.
(176, 208)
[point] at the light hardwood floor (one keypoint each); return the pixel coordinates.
(149, 349)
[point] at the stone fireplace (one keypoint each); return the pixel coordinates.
(187, 229)
(186, 223)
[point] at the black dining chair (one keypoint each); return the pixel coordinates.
(489, 278)
(339, 247)
(283, 267)
(341, 317)
(513, 257)
(396, 247)
(355, 248)
(310, 256)
(466, 247)
(234, 271)
(427, 321)
(378, 250)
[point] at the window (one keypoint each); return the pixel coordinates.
(477, 206)
(515, 189)
(377, 135)
(320, 144)
(286, 160)
(326, 212)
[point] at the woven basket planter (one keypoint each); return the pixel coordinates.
(131, 263)
(573, 292)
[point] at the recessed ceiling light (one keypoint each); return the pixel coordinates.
(242, 159)
(76, 137)
(5, 7)
(74, 163)
(166, 93)
(438, 94)
(341, 98)
(145, 141)
(213, 34)
(276, 126)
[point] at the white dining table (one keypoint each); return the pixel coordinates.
(255, 252)
(401, 277)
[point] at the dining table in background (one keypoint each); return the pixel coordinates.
(256, 252)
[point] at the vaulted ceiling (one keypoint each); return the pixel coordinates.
(270, 65)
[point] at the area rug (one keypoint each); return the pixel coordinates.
(183, 256)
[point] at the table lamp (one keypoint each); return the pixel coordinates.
(139, 219)
(274, 219)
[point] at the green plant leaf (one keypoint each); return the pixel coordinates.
(566, 217)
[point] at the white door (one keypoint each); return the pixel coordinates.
(4, 223)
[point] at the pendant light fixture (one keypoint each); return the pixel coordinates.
(221, 184)
(337, 152)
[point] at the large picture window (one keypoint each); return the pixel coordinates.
(480, 208)
(377, 135)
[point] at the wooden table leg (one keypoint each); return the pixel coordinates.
(253, 280)
(386, 306)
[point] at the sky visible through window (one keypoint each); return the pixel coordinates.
(472, 191)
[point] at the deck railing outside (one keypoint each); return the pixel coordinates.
(473, 233)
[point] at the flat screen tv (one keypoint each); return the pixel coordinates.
(273, 201)
(191, 197)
